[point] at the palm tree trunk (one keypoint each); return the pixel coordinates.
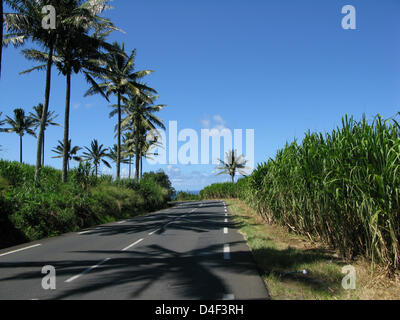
(66, 128)
(141, 166)
(119, 138)
(1, 32)
(137, 153)
(20, 148)
(130, 160)
(44, 116)
(43, 150)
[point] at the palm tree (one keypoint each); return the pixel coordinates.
(26, 24)
(76, 20)
(95, 154)
(71, 152)
(140, 118)
(232, 165)
(1, 33)
(49, 120)
(20, 125)
(118, 78)
(126, 157)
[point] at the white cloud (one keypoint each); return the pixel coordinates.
(217, 122)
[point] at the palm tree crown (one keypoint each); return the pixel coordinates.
(232, 164)
(95, 154)
(71, 152)
(48, 120)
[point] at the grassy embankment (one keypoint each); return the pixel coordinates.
(278, 252)
(29, 213)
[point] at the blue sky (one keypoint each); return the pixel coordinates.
(279, 67)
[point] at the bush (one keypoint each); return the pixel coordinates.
(30, 213)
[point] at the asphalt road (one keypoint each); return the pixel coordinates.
(189, 252)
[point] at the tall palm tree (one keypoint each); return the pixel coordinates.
(76, 20)
(95, 154)
(49, 121)
(232, 164)
(20, 125)
(25, 23)
(1, 33)
(140, 118)
(118, 77)
(71, 152)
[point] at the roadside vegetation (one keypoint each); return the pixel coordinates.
(282, 257)
(29, 213)
(341, 189)
(187, 196)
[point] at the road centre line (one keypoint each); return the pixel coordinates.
(153, 232)
(133, 244)
(18, 250)
(227, 252)
(87, 270)
(225, 230)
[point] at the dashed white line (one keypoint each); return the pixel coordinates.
(225, 230)
(151, 233)
(18, 250)
(227, 252)
(133, 244)
(226, 220)
(120, 222)
(87, 270)
(87, 231)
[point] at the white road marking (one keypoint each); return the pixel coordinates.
(133, 244)
(227, 252)
(87, 231)
(226, 220)
(87, 270)
(18, 250)
(229, 296)
(151, 233)
(121, 222)
(225, 230)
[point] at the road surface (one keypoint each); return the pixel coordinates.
(189, 252)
